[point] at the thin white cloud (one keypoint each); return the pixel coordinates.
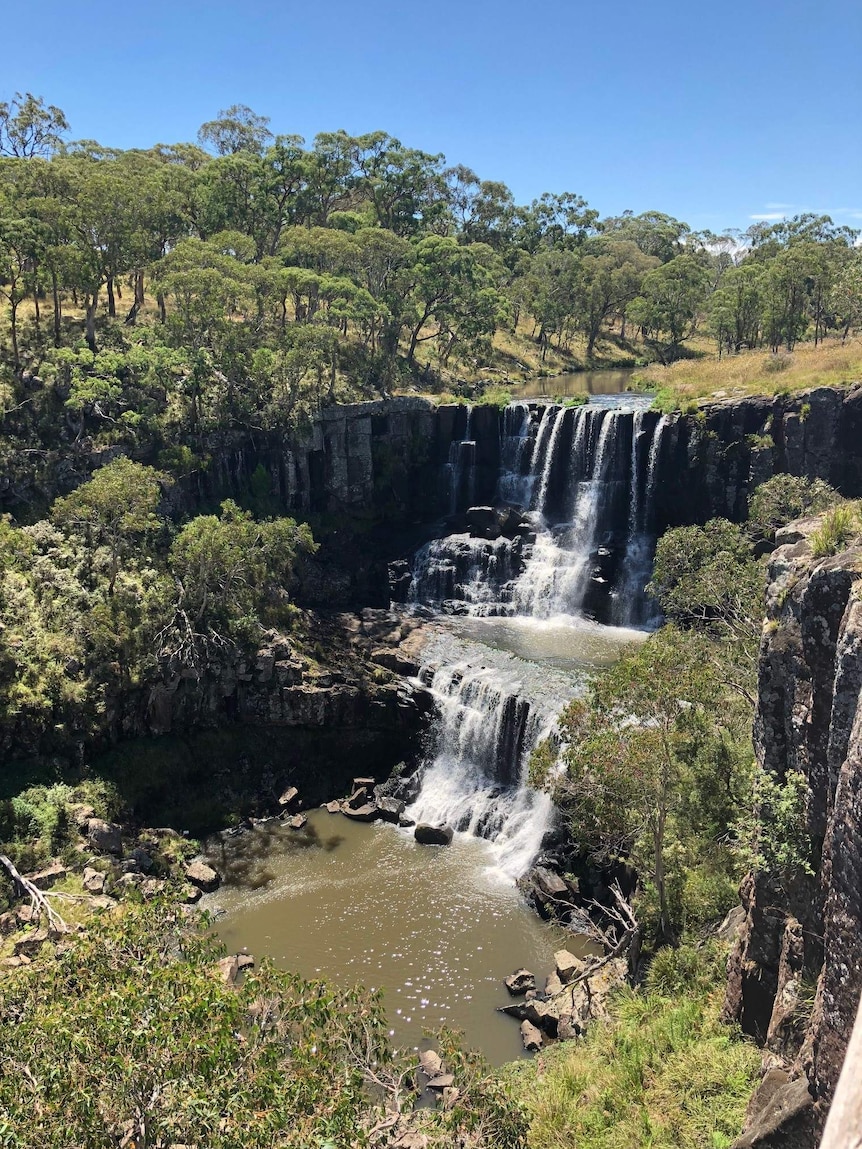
(769, 215)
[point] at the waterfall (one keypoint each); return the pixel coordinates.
(461, 469)
(631, 607)
(578, 545)
(493, 711)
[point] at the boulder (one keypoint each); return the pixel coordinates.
(203, 876)
(395, 661)
(244, 961)
(531, 1037)
(406, 823)
(227, 969)
(45, 879)
(780, 1115)
(142, 859)
(364, 813)
(545, 1015)
(152, 887)
(297, 821)
(551, 884)
(288, 797)
(568, 966)
(390, 809)
(519, 982)
(8, 923)
(481, 518)
(569, 1027)
(31, 943)
(441, 1081)
(359, 797)
(106, 837)
(427, 835)
(430, 1063)
(553, 985)
(93, 880)
(333, 807)
(190, 894)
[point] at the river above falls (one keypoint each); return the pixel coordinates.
(435, 929)
(606, 381)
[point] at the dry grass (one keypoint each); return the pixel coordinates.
(755, 373)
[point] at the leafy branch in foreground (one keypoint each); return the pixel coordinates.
(131, 1036)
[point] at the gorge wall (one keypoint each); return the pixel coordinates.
(377, 475)
(796, 973)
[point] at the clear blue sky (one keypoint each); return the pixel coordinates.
(716, 112)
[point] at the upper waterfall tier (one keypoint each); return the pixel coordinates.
(583, 479)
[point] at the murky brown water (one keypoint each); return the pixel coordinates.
(606, 382)
(435, 928)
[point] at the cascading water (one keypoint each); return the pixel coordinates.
(493, 711)
(571, 538)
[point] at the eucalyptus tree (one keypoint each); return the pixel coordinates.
(611, 273)
(237, 129)
(669, 305)
(454, 296)
(29, 127)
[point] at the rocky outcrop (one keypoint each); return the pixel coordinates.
(802, 925)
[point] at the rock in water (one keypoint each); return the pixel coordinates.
(427, 835)
(519, 982)
(390, 809)
(430, 1063)
(366, 813)
(289, 796)
(441, 1081)
(203, 876)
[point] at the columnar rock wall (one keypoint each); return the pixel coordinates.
(802, 930)
(711, 461)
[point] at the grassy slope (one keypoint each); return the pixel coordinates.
(663, 1072)
(755, 372)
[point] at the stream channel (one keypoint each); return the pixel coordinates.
(513, 637)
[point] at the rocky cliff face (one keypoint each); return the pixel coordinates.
(712, 460)
(801, 934)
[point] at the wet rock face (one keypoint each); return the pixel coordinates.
(806, 928)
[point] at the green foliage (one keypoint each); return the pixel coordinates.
(840, 525)
(707, 578)
(231, 570)
(662, 1072)
(495, 396)
(136, 1015)
(777, 840)
(654, 767)
(784, 498)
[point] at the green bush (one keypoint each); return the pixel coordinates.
(131, 1033)
(839, 526)
(784, 498)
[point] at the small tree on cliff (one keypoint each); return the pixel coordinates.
(115, 509)
(644, 772)
(227, 569)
